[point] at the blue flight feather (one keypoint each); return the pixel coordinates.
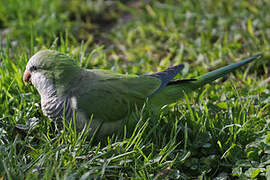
(166, 76)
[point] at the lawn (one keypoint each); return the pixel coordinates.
(220, 131)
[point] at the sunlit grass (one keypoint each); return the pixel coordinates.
(221, 130)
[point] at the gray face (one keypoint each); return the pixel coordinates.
(32, 68)
(34, 74)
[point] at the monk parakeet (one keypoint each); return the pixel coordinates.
(69, 91)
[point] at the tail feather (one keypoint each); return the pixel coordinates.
(176, 89)
(213, 75)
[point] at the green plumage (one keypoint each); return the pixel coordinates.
(111, 96)
(108, 96)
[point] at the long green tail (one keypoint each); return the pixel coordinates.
(176, 90)
(213, 75)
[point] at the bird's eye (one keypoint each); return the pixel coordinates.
(33, 68)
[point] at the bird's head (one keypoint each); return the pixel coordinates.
(48, 67)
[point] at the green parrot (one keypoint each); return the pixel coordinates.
(69, 91)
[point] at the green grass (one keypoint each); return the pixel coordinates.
(220, 131)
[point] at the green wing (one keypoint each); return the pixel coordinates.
(110, 96)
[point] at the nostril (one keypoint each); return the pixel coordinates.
(26, 77)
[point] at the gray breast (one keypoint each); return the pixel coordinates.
(52, 106)
(56, 108)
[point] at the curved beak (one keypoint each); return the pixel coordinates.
(27, 77)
